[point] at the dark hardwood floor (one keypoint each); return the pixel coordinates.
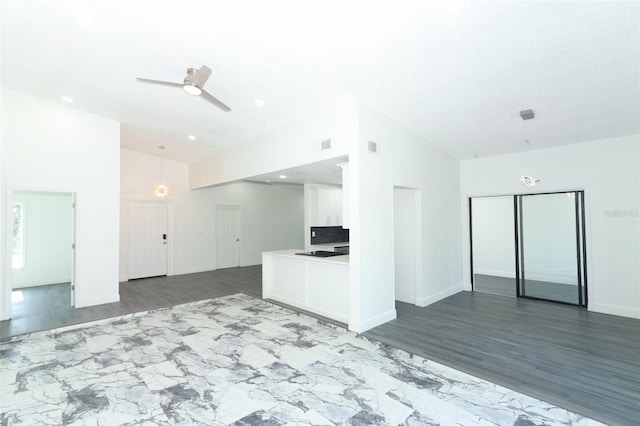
(586, 362)
(48, 307)
(583, 361)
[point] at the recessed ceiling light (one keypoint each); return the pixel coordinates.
(68, 99)
(258, 103)
(282, 176)
(191, 138)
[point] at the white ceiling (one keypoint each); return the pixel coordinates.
(457, 80)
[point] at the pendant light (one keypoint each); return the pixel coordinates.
(527, 180)
(161, 190)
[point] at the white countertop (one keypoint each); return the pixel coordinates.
(340, 260)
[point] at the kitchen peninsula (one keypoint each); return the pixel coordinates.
(315, 284)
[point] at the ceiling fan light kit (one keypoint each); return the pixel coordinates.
(192, 89)
(193, 84)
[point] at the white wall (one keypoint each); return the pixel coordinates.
(5, 244)
(52, 147)
(293, 145)
(609, 172)
(48, 235)
(403, 160)
(272, 215)
(404, 243)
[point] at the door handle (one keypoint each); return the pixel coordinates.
(237, 239)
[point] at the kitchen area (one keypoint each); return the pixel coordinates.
(315, 278)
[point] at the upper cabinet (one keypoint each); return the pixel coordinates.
(323, 205)
(329, 207)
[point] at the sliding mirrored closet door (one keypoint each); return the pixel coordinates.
(530, 246)
(493, 236)
(550, 247)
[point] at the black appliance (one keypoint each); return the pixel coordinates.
(321, 253)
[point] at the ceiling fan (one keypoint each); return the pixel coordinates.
(193, 82)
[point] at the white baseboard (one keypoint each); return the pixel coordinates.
(362, 326)
(615, 310)
(426, 301)
(97, 301)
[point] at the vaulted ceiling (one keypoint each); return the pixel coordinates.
(457, 78)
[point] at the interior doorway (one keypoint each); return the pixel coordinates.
(530, 245)
(405, 246)
(42, 252)
(228, 220)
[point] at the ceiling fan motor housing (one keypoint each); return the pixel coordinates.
(191, 77)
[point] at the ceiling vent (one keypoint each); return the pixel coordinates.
(373, 146)
(326, 144)
(527, 114)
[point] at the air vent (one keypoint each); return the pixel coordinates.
(527, 114)
(373, 146)
(326, 144)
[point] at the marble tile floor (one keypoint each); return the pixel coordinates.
(240, 360)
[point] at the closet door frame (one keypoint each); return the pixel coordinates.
(581, 246)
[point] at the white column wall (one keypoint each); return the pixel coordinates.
(52, 147)
(403, 160)
(609, 172)
(272, 215)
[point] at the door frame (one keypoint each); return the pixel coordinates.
(582, 220)
(240, 235)
(124, 236)
(6, 284)
(415, 195)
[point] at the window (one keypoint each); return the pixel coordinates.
(17, 258)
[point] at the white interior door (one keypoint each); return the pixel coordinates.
(147, 239)
(228, 236)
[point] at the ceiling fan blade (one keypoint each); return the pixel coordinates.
(161, 83)
(209, 97)
(202, 75)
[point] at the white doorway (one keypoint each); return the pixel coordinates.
(41, 237)
(147, 239)
(228, 236)
(406, 232)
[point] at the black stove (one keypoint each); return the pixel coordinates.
(322, 253)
